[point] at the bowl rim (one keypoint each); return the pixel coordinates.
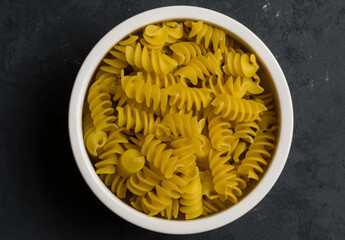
(76, 134)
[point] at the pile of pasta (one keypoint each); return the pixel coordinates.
(176, 122)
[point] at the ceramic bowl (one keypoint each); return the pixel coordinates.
(240, 33)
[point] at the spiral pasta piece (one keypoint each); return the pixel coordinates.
(137, 88)
(162, 80)
(107, 79)
(268, 101)
(246, 131)
(159, 200)
(111, 152)
(128, 162)
(207, 184)
(131, 161)
(144, 181)
(186, 97)
(191, 199)
(184, 52)
(99, 119)
(94, 140)
(154, 37)
(116, 183)
(226, 140)
(225, 178)
(243, 134)
(174, 110)
(162, 158)
(202, 146)
(220, 133)
(257, 154)
(133, 104)
(208, 34)
(200, 67)
(171, 211)
(100, 106)
(137, 94)
(118, 61)
(132, 118)
(87, 126)
(268, 118)
(175, 31)
(185, 148)
(136, 202)
(238, 63)
(237, 88)
(175, 125)
(238, 147)
(120, 96)
(149, 60)
(240, 110)
(164, 198)
(212, 205)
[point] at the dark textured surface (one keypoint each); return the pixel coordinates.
(42, 45)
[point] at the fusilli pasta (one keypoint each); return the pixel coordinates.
(176, 122)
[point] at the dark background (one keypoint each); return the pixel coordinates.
(42, 46)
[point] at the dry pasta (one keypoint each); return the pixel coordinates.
(176, 121)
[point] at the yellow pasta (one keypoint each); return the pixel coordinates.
(116, 183)
(220, 134)
(246, 131)
(175, 31)
(225, 178)
(208, 34)
(149, 60)
(184, 52)
(132, 118)
(100, 106)
(186, 97)
(94, 140)
(238, 63)
(142, 89)
(112, 151)
(144, 181)
(185, 148)
(235, 109)
(131, 161)
(176, 121)
(191, 199)
(200, 67)
(207, 184)
(257, 152)
(162, 198)
(185, 125)
(167, 160)
(155, 36)
(212, 205)
(236, 87)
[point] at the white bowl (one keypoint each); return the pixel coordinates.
(76, 133)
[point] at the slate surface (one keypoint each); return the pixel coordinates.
(42, 46)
